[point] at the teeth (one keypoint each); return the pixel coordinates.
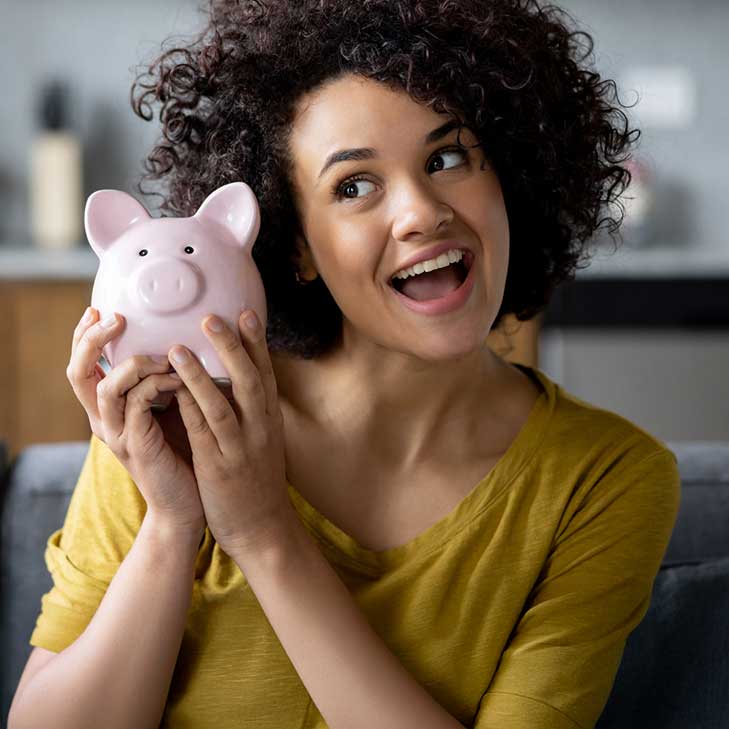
(445, 259)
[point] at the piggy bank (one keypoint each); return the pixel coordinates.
(165, 275)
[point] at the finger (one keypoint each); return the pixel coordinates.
(193, 419)
(217, 422)
(257, 349)
(138, 419)
(89, 317)
(248, 392)
(112, 390)
(89, 340)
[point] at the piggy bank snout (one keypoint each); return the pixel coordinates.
(167, 285)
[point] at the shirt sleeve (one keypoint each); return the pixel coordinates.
(103, 518)
(560, 663)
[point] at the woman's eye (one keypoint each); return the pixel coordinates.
(458, 152)
(349, 185)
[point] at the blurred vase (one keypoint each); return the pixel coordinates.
(56, 188)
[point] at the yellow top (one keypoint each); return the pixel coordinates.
(512, 611)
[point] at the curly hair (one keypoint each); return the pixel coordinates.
(510, 70)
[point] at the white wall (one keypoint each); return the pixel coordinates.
(674, 384)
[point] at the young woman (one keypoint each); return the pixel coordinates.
(384, 524)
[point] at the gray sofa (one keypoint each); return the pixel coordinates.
(675, 669)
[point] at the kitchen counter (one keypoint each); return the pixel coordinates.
(634, 288)
(80, 262)
(642, 263)
(30, 263)
(651, 288)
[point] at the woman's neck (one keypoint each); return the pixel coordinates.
(405, 413)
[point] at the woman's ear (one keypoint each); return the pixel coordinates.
(304, 260)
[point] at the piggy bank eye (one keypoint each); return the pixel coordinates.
(143, 252)
(189, 249)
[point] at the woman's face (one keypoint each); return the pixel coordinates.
(409, 195)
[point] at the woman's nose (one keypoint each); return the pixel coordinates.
(419, 210)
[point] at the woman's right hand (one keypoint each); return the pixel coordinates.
(119, 409)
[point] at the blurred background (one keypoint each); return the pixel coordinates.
(643, 332)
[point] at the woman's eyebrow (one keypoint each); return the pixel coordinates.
(360, 153)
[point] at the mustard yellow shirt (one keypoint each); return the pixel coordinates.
(512, 611)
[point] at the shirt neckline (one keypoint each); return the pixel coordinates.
(344, 548)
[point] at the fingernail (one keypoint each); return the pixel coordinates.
(88, 316)
(160, 358)
(179, 355)
(215, 325)
(251, 321)
(109, 321)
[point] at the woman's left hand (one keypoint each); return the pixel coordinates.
(238, 450)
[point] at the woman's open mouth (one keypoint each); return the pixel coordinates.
(439, 291)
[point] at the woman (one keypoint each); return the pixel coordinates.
(384, 524)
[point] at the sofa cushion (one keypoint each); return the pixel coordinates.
(675, 669)
(701, 533)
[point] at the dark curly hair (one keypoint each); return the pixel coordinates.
(508, 69)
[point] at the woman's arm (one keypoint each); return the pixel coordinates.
(350, 673)
(118, 672)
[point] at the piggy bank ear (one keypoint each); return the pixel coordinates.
(234, 206)
(108, 214)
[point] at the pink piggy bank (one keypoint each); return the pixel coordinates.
(164, 275)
